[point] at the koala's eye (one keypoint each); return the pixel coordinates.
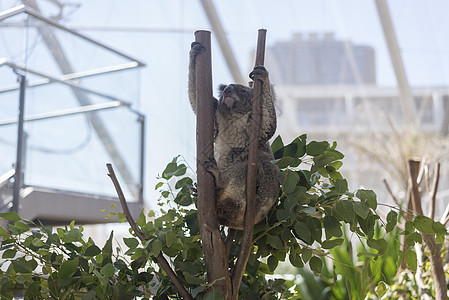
(244, 92)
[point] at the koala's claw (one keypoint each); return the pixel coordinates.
(258, 70)
(194, 190)
(210, 165)
(196, 48)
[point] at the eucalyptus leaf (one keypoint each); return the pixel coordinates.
(332, 226)
(411, 259)
(392, 219)
(10, 216)
(424, 224)
(272, 262)
(316, 148)
(68, 268)
(361, 209)
(316, 265)
(302, 231)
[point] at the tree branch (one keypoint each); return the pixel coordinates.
(429, 240)
(160, 258)
(433, 191)
(250, 213)
(391, 192)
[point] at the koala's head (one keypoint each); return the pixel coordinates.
(235, 98)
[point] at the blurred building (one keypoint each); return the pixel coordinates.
(321, 60)
(327, 89)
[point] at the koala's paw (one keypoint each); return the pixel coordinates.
(194, 190)
(195, 49)
(211, 166)
(259, 71)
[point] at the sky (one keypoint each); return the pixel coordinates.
(160, 32)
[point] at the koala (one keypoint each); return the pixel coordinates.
(232, 134)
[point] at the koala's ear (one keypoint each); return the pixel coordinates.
(221, 88)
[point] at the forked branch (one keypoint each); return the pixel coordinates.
(160, 258)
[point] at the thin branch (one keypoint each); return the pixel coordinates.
(429, 240)
(160, 258)
(433, 191)
(250, 213)
(391, 192)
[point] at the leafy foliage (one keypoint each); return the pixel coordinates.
(306, 224)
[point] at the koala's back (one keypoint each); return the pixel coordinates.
(231, 197)
(231, 154)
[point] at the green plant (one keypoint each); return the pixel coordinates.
(305, 225)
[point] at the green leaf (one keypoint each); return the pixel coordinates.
(315, 228)
(275, 242)
(9, 253)
(20, 266)
(272, 262)
(92, 251)
(321, 162)
(132, 243)
(108, 270)
(367, 196)
(413, 238)
(424, 224)
(303, 232)
(332, 226)
(411, 259)
(10, 216)
(380, 245)
(346, 209)
(107, 248)
(110, 215)
(306, 254)
(170, 238)
(173, 169)
(137, 254)
(68, 268)
(409, 227)
(277, 147)
(316, 148)
(193, 279)
(332, 243)
(362, 209)
(290, 182)
(156, 247)
(316, 265)
(3, 232)
(37, 242)
(141, 221)
(295, 259)
(341, 186)
(392, 219)
(121, 217)
(381, 289)
(283, 162)
(184, 182)
(91, 295)
(21, 226)
(213, 295)
(439, 228)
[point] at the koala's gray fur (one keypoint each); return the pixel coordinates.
(232, 131)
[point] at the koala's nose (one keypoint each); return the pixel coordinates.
(228, 90)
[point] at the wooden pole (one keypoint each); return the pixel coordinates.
(213, 245)
(250, 213)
